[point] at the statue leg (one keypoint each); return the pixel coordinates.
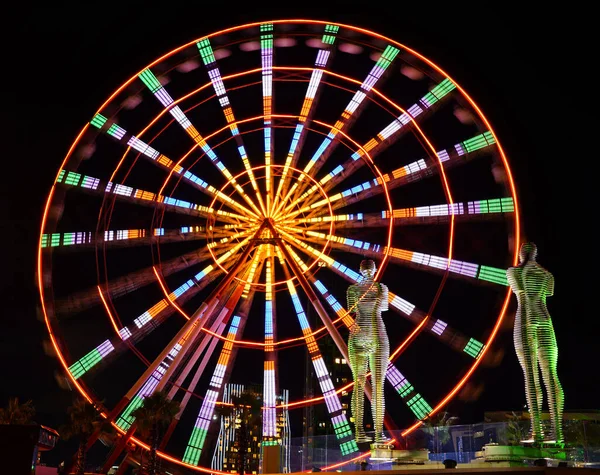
(378, 362)
(532, 381)
(548, 357)
(358, 364)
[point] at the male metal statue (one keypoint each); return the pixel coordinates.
(535, 342)
(368, 348)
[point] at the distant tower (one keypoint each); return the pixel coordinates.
(535, 342)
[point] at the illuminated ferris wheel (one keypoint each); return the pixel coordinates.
(233, 186)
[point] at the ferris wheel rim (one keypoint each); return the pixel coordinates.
(481, 116)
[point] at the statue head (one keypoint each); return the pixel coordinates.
(367, 268)
(528, 252)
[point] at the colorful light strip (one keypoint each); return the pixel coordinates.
(207, 409)
(74, 179)
(266, 55)
(269, 392)
(83, 365)
(374, 75)
(165, 99)
(495, 205)
(339, 420)
(208, 58)
(311, 91)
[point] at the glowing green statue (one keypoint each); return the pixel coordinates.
(535, 342)
(368, 348)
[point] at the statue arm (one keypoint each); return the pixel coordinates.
(351, 300)
(550, 285)
(352, 307)
(513, 280)
(384, 298)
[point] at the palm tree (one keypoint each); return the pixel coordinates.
(152, 418)
(438, 426)
(84, 419)
(17, 413)
(245, 410)
(515, 430)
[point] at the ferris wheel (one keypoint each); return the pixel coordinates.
(233, 186)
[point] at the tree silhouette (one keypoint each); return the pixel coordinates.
(438, 426)
(84, 419)
(16, 413)
(152, 417)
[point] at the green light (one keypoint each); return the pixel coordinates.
(508, 205)
(349, 447)
(206, 51)
(68, 239)
(266, 41)
(82, 366)
(267, 443)
(55, 240)
(44, 240)
(390, 53)
(266, 27)
(125, 420)
(192, 452)
(439, 91)
(149, 79)
(112, 129)
(419, 406)
(332, 29)
(60, 176)
(98, 121)
(72, 179)
(473, 347)
(493, 274)
(328, 39)
(478, 142)
(405, 389)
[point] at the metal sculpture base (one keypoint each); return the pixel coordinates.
(386, 452)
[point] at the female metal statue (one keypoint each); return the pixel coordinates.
(535, 342)
(368, 347)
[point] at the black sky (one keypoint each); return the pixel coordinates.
(530, 72)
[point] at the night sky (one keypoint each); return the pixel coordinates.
(528, 73)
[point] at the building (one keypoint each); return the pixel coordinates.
(225, 455)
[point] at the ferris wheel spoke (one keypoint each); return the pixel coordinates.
(221, 372)
(460, 154)
(494, 208)
(300, 269)
(127, 237)
(266, 54)
(208, 58)
(162, 161)
(393, 131)
(158, 373)
(132, 334)
(438, 328)
(133, 281)
(341, 425)
(350, 114)
(154, 85)
(307, 111)
(269, 426)
(145, 323)
(476, 273)
(138, 196)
